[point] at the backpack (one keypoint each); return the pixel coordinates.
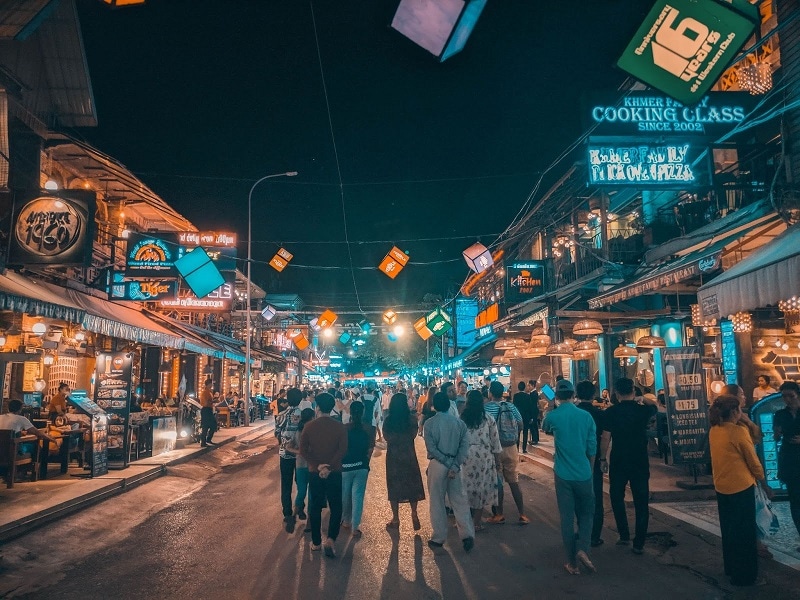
(506, 426)
(369, 407)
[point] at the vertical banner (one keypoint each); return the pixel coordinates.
(687, 406)
(112, 392)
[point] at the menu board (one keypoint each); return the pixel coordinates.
(687, 406)
(729, 358)
(80, 401)
(99, 463)
(112, 392)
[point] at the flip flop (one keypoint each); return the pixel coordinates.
(572, 570)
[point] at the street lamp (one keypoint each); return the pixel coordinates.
(249, 263)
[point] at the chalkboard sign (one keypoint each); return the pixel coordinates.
(687, 406)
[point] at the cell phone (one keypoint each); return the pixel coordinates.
(548, 392)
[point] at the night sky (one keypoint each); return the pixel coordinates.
(200, 98)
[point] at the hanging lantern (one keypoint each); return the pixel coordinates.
(539, 345)
(497, 360)
(478, 257)
(756, 77)
(281, 259)
(571, 342)
(624, 351)
(587, 327)
(314, 324)
(327, 319)
(651, 341)
(559, 349)
(540, 335)
(791, 313)
(508, 344)
(365, 325)
(344, 338)
(589, 346)
(421, 327)
(267, 312)
(697, 317)
(393, 262)
(389, 317)
(300, 341)
(742, 322)
(438, 321)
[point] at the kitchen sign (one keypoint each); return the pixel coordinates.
(524, 280)
(684, 46)
(54, 229)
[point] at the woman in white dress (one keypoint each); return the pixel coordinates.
(479, 472)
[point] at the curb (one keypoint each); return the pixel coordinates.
(116, 486)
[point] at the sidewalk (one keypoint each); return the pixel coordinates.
(30, 504)
(694, 507)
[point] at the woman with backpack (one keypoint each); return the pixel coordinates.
(479, 472)
(355, 467)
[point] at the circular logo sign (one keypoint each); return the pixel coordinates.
(48, 226)
(118, 362)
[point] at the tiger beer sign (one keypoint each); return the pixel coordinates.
(684, 46)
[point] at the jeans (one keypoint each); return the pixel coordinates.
(575, 499)
(320, 490)
(287, 477)
(639, 477)
(301, 478)
(737, 523)
(439, 485)
(354, 484)
(599, 511)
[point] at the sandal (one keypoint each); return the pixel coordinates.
(572, 569)
(393, 525)
(415, 522)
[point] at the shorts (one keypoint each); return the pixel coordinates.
(509, 459)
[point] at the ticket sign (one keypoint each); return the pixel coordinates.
(281, 259)
(647, 165)
(393, 262)
(684, 46)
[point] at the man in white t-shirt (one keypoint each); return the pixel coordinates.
(14, 421)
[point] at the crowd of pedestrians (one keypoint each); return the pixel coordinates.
(473, 439)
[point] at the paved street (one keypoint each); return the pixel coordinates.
(212, 529)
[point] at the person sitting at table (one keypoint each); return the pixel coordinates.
(14, 421)
(58, 403)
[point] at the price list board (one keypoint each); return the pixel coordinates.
(687, 405)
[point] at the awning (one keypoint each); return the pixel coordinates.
(769, 274)
(192, 342)
(459, 360)
(23, 295)
(118, 320)
(231, 348)
(701, 259)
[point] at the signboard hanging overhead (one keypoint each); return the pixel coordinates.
(152, 255)
(684, 46)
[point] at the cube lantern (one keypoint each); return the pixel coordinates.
(478, 257)
(421, 327)
(393, 262)
(327, 319)
(281, 259)
(389, 317)
(438, 321)
(268, 312)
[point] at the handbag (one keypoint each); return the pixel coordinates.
(766, 520)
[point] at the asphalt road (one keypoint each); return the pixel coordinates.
(212, 528)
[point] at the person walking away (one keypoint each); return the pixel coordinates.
(355, 467)
(575, 439)
(787, 430)
(323, 444)
(403, 478)
(509, 424)
(448, 446)
(301, 465)
(585, 392)
(208, 422)
(287, 424)
(529, 412)
(426, 408)
(627, 423)
(480, 470)
(372, 405)
(537, 422)
(736, 469)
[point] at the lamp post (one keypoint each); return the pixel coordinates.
(247, 388)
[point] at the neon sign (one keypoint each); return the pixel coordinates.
(662, 165)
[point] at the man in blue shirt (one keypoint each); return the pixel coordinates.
(575, 438)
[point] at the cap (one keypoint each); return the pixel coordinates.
(564, 386)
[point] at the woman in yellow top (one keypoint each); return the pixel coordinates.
(736, 471)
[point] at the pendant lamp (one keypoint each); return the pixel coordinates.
(625, 352)
(587, 327)
(651, 341)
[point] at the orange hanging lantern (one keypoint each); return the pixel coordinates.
(327, 319)
(389, 317)
(393, 262)
(421, 327)
(281, 259)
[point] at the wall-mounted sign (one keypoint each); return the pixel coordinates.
(524, 280)
(54, 229)
(152, 255)
(684, 46)
(484, 332)
(207, 238)
(646, 165)
(487, 316)
(645, 113)
(146, 290)
(219, 300)
(729, 353)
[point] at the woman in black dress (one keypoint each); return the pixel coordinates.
(403, 478)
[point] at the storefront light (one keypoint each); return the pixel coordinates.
(651, 341)
(39, 328)
(785, 347)
(742, 322)
(625, 352)
(587, 327)
(2, 339)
